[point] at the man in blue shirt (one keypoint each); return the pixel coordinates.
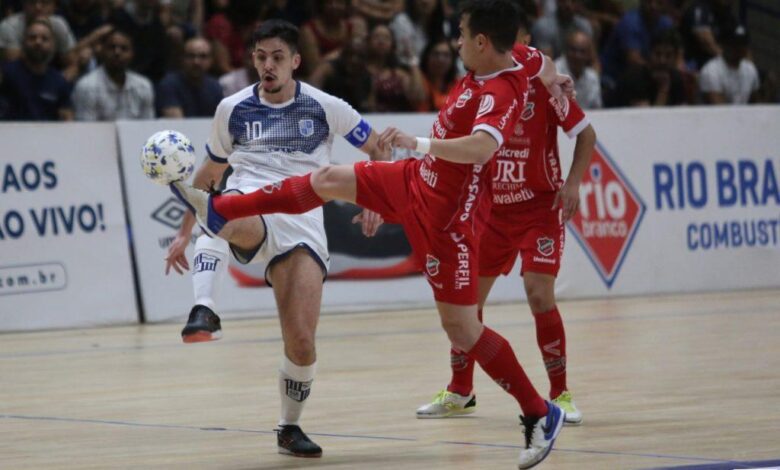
(630, 41)
(190, 92)
(30, 89)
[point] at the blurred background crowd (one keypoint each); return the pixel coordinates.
(98, 60)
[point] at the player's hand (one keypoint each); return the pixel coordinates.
(176, 258)
(370, 221)
(562, 88)
(393, 137)
(568, 200)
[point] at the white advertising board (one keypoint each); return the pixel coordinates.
(64, 255)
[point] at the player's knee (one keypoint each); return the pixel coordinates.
(541, 298)
(300, 348)
(458, 332)
(324, 178)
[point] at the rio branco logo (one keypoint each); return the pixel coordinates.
(609, 215)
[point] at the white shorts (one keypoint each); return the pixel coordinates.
(283, 234)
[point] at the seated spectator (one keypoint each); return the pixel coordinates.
(439, 73)
(702, 24)
(395, 88)
(659, 82)
(111, 91)
(88, 23)
(629, 43)
(328, 31)
(30, 88)
(347, 77)
(237, 80)
(142, 20)
(575, 63)
(378, 11)
(732, 77)
(420, 24)
(549, 32)
(190, 92)
(12, 34)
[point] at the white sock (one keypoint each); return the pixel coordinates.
(209, 266)
(294, 387)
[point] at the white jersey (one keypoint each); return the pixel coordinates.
(266, 142)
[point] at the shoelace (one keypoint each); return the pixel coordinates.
(528, 429)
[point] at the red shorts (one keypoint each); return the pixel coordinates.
(531, 229)
(448, 259)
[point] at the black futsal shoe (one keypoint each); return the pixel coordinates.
(293, 441)
(203, 325)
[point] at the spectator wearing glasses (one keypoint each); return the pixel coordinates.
(111, 91)
(190, 92)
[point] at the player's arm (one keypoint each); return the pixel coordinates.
(568, 197)
(557, 84)
(477, 148)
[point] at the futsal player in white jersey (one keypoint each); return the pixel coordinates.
(276, 128)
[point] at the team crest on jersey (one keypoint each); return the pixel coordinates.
(528, 111)
(545, 246)
(306, 127)
(518, 129)
(486, 104)
(431, 265)
(269, 188)
(463, 98)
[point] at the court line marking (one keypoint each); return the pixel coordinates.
(644, 316)
(351, 436)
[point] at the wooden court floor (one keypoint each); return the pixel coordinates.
(661, 381)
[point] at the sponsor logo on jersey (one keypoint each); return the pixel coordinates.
(528, 113)
(505, 118)
(463, 98)
(306, 127)
(561, 109)
(486, 104)
(473, 191)
(519, 129)
(429, 176)
(545, 246)
(609, 216)
(431, 265)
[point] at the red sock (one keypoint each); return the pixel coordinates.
(290, 196)
(552, 343)
(462, 366)
(497, 359)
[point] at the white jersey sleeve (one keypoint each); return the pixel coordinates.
(220, 143)
(342, 118)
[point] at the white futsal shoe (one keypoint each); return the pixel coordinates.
(447, 404)
(540, 434)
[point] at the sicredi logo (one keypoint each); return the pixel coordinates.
(609, 216)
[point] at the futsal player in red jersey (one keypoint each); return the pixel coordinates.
(440, 200)
(531, 203)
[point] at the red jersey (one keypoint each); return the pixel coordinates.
(452, 192)
(529, 162)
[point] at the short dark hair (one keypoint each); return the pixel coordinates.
(499, 20)
(284, 30)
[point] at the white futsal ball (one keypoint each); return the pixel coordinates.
(167, 157)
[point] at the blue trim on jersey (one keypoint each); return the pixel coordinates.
(301, 126)
(214, 157)
(359, 135)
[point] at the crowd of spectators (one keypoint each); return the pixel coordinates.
(97, 60)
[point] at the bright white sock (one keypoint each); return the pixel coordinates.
(209, 266)
(294, 387)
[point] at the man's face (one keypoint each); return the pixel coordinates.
(275, 63)
(38, 44)
(578, 50)
(381, 40)
(197, 58)
(38, 8)
(468, 47)
(117, 52)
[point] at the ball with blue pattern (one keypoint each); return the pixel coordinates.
(167, 157)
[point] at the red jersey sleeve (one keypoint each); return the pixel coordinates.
(499, 108)
(530, 58)
(569, 116)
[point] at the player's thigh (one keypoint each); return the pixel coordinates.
(485, 284)
(335, 182)
(247, 233)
